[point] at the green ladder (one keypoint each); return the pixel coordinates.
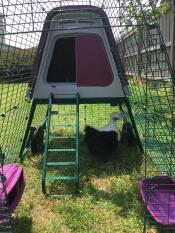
(61, 153)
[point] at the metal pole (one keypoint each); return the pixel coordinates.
(173, 36)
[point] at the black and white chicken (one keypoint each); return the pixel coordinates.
(103, 142)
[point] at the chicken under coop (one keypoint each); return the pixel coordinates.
(67, 64)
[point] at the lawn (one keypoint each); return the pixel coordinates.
(108, 200)
(16, 112)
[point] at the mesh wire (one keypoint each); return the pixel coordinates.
(151, 91)
(142, 51)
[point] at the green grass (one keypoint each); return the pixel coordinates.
(16, 110)
(154, 121)
(12, 126)
(108, 201)
(109, 198)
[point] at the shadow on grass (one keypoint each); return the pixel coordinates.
(23, 224)
(165, 230)
(155, 227)
(123, 171)
(124, 160)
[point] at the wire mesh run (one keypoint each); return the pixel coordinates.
(144, 62)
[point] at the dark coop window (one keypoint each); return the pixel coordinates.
(62, 67)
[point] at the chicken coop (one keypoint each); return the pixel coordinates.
(65, 64)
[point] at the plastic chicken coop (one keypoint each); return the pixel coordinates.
(63, 63)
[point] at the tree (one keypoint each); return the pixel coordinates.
(163, 7)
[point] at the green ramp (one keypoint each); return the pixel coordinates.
(60, 173)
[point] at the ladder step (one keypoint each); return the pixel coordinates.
(69, 120)
(63, 114)
(56, 125)
(54, 112)
(61, 150)
(61, 163)
(63, 137)
(61, 177)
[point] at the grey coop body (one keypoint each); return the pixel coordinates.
(77, 53)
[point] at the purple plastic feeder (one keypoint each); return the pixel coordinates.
(14, 184)
(158, 194)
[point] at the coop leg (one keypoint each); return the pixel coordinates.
(134, 125)
(32, 111)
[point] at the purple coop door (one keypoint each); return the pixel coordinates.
(92, 65)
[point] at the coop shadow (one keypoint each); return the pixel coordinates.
(124, 160)
(126, 157)
(127, 161)
(22, 224)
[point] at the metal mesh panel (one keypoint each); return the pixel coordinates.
(14, 115)
(142, 52)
